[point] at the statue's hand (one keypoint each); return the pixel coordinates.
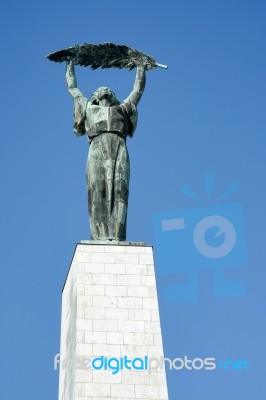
(70, 74)
(141, 67)
(70, 61)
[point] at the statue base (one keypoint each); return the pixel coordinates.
(110, 328)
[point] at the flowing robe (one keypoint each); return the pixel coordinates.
(108, 167)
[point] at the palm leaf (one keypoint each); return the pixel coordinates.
(105, 55)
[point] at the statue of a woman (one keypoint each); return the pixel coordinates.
(107, 122)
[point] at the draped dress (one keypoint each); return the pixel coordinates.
(108, 165)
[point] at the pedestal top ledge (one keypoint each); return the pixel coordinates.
(113, 242)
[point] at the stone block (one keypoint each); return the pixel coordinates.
(139, 291)
(115, 337)
(94, 313)
(94, 268)
(102, 257)
(130, 326)
(117, 314)
(104, 301)
(102, 390)
(126, 258)
(94, 290)
(129, 280)
(124, 390)
(147, 392)
(140, 315)
(116, 290)
(115, 268)
(146, 258)
(104, 279)
(138, 338)
(104, 325)
(130, 302)
(95, 337)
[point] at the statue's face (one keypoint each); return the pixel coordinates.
(104, 97)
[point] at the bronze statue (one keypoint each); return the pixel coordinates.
(107, 122)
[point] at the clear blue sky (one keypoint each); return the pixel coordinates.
(206, 113)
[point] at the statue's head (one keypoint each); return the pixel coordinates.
(105, 97)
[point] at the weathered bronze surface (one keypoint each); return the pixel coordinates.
(107, 122)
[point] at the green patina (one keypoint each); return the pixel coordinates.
(107, 122)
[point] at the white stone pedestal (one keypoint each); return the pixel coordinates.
(110, 310)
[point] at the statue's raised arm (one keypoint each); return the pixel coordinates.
(80, 101)
(139, 86)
